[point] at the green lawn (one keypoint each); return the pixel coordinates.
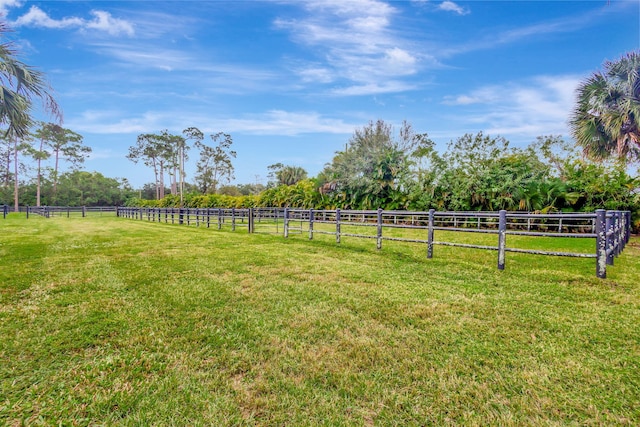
(108, 321)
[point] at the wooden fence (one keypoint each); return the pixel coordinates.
(610, 229)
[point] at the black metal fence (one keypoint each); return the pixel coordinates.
(610, 229)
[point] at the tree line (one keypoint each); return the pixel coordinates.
(379, 168)
(402, 170)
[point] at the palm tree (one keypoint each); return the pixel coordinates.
(605, 119)
(289, 175)
(19, 85)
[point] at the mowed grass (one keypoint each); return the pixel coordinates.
(108, 321)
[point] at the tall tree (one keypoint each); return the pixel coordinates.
(67, 145)
(20, 84)
(44, 134)
(151, 150)
(19, 145)
(605, 121)
(372, 170)
(172, 150)
(190, 134)
(215, 164)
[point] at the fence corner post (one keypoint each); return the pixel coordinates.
(628, 230)
(502, 238)
(601, 244)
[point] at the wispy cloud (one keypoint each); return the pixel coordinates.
(374, 88)
(535, 107)
(567, 24)
(274, 122)
(278, 122)
(354, 41)
(102, 21)
(450, 6)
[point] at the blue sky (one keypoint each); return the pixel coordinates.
(291, 80)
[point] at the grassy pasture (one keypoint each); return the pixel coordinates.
(119, 322)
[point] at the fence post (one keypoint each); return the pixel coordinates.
(286, 222)
(338, 225)
(609, 234)
(601, 244)
(502, 238)
(628, 220)
(233, 219)
(84, 211)
(618, 234)
(379, 230)
(219, 218)
(251, 220)
(27, 211)
(311, 218)
(430, 234)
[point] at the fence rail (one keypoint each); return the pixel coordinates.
(610, 229)
(68, 211)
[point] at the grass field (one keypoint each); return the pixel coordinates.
(107, 321)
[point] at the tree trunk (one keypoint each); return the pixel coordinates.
(16, 207)
(55, 176)
(161, 195)
(174, 181)
(6, 178)
(39, 175)
(155, 172)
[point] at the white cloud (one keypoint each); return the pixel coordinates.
(103, 21)
(278, 122)
(355, 42)
(399, 61)
(274, 122)
(539, 106)
(450, 6)
(316, 74)
(36, 17)
(5, 5)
